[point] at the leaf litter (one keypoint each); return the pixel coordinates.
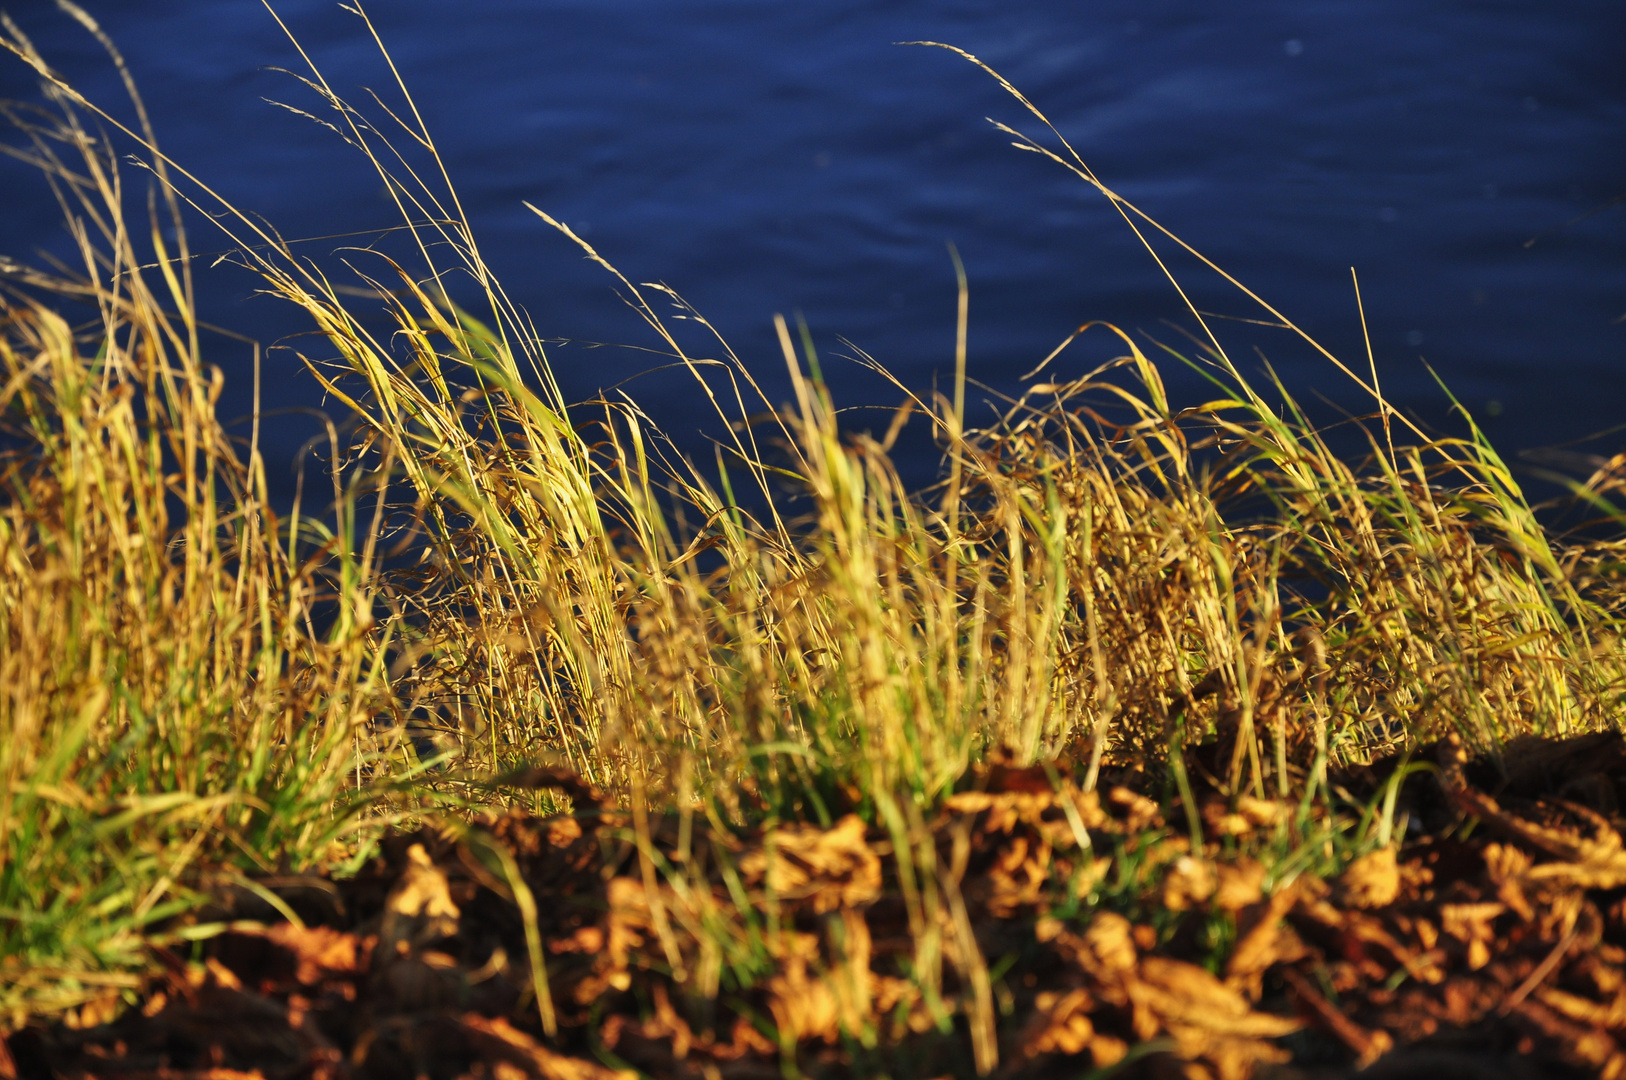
(1030, 929)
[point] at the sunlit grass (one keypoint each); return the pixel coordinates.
(196, 687)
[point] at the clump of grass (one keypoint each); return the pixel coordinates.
(189, 682)
(787, 633)
(1075, 576)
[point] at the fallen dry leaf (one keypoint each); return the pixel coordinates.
(498, 1041)
(1189, 883)
(419, 908)
(1238, 884)
(1371, 881)
(833, 868)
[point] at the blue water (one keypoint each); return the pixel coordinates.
(763, 157)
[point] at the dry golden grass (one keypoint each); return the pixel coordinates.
(196, 687)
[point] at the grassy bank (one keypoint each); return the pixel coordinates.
(204, 694)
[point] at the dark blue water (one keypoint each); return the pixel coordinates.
(764, 157)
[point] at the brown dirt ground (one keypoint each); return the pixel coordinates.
(1492, 943)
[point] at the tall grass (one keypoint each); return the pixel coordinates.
(171, 709)
(196, 686)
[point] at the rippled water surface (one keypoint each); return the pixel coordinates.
(764, 157)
